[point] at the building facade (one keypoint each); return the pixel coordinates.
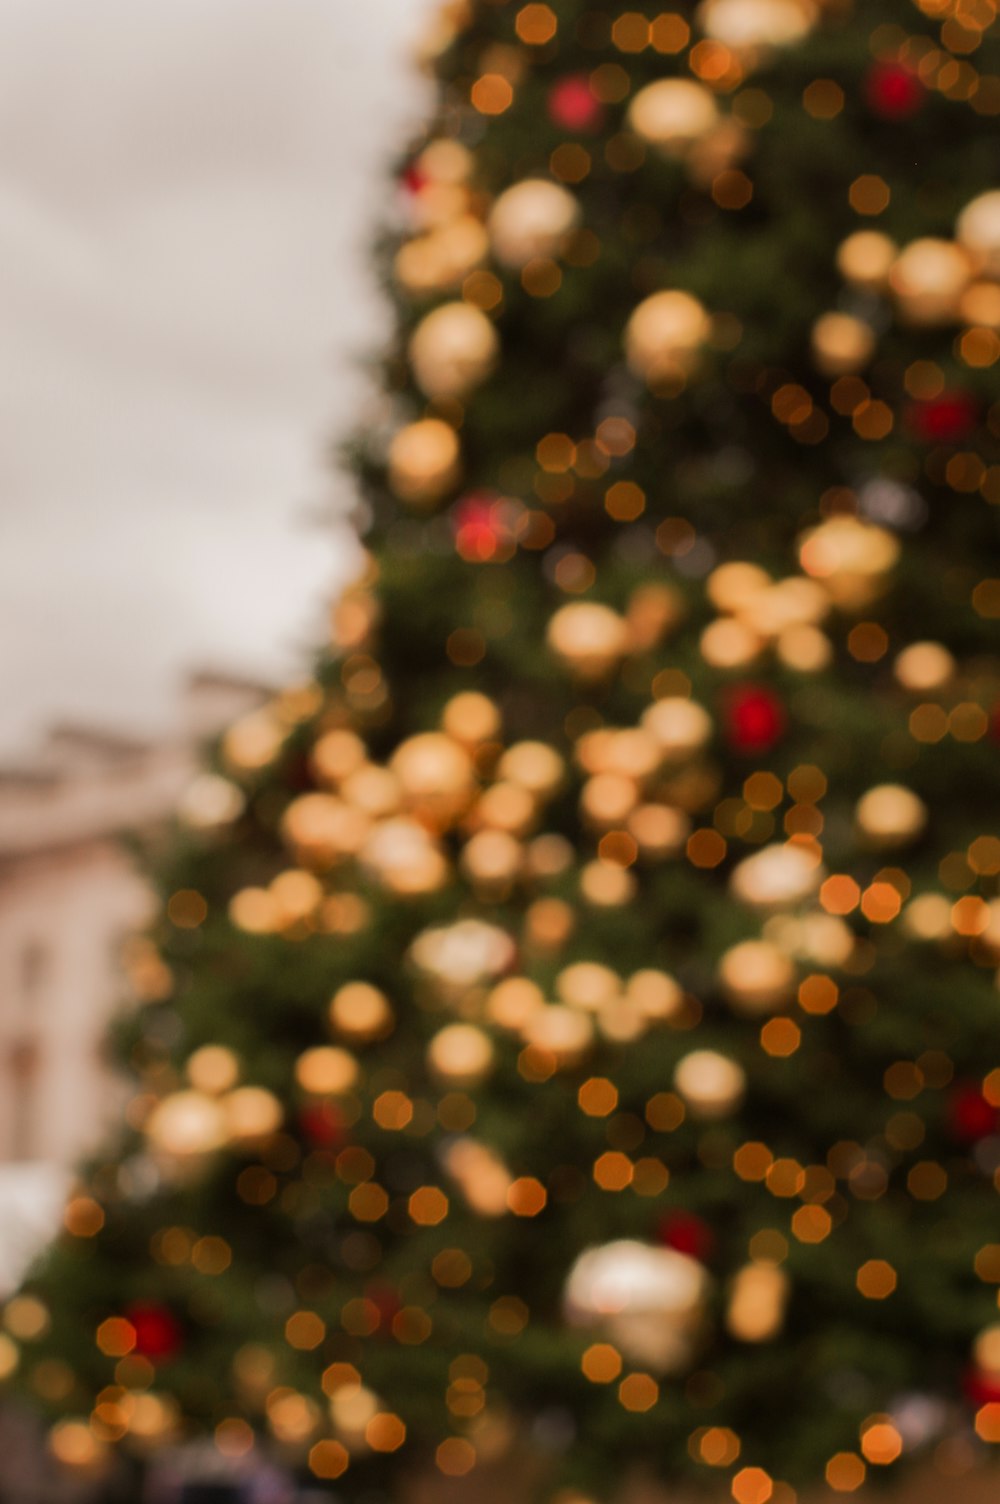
(70, 895)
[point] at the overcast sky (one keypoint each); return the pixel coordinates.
(187, 188)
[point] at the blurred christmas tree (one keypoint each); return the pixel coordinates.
(571, 1027)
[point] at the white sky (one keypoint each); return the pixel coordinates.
(187, 189)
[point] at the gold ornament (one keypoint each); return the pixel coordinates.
(729, 643)
(756, 977)
(665, 335)
(534, 766)
(649, 1302)
(777, 877)
(471, 718)
(352, 1409)
(210, 803)
(866, 258)
(815, 937)
(606, 885)
(757, 1301)
(480, 1175)
(534, 219)
(361, 1013)
(441, 260)
(74, 1445)
(453, 350)
(924, 667)
(507, 807)
(673, 113)
(589, 638)
(297, 895)
(492, 860)
(731, 587)
(321, 829)
(374, 792)
(565, 1034)
(437, 777)
(155, 1419)
(253, 742)
(805, 649)
(842, 344)
(891, 815)
(986, 1350)
(326, 1071)
(681, 727)
(10, 1357)
(608, 799)
(213, 1069)
(622, 1020)
(593, 750)
(424, 462)
(548, 924)
(336, 755)
(187, 1125)
(659, 831)
(711, 1085)
(512, 1002)
(634, 754)
(928, 917)
(402, 856)
(751, 24)
(981, 304)
(850, 558)
(252, 1114)
(659, 998)
(928, 279)
(446, 161)
(461, 1055)
(791, 602)
(255, 911)
(588, 985)
(978, 232)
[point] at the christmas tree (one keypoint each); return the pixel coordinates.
(570, 1031)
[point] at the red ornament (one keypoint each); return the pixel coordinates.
(572, 104)
(755, 719)
(482, 535)
(981, 1388)
(971, 1116)
(946, 419)
(158, 1334)
(687, 1234)
(413, 178)
(322, 1125)
(893, 91)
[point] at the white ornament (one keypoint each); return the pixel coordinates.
(533, 219)
(463, 955)
(712, 1085)
(777, 877)
(649, 1301)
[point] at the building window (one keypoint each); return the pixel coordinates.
(23, 1064)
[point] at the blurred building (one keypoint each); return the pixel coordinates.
(69, 894)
